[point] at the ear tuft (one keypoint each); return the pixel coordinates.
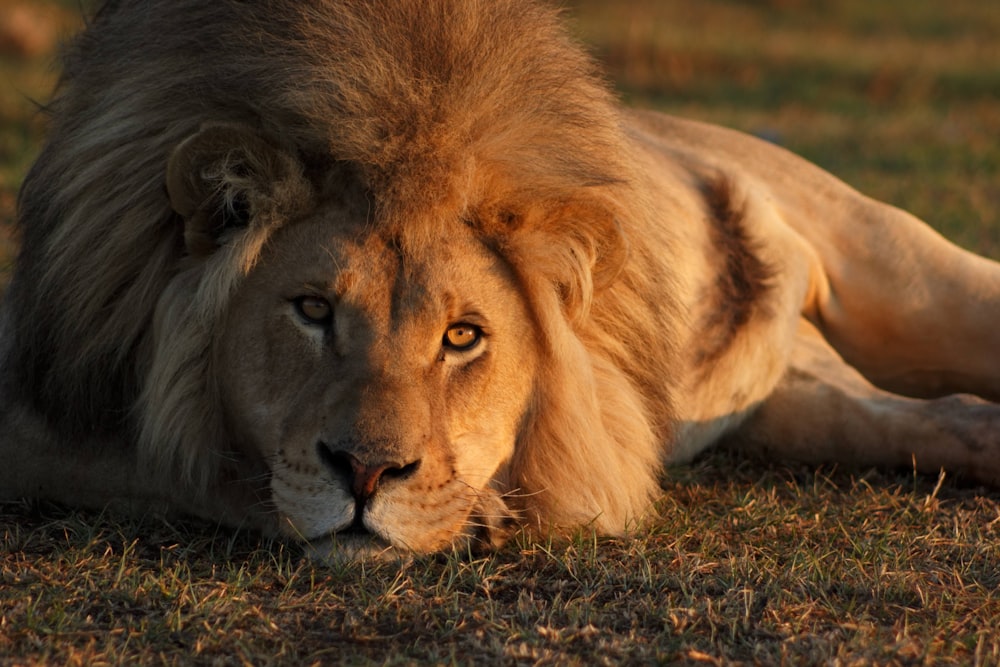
(226, 178)
(578, 246)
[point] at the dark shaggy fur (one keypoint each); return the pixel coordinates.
(419, 113)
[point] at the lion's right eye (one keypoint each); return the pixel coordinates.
(462, 337)
(314, 309)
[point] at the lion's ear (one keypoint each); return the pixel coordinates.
(226, 178)
(578, 246)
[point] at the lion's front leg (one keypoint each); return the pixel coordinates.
(823, 410)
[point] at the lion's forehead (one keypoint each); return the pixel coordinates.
(392, 282)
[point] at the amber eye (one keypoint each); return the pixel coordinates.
(462, 337)
(314, 309)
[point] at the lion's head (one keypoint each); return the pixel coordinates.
(384, 383)
(371, 287)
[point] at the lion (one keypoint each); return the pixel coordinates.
(392, 278)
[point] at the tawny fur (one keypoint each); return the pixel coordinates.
(663, 270)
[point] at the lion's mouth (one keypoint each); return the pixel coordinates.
(358, 534)
(359, 531)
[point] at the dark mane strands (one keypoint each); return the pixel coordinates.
(443, 110)
(741, 289)
(416, 110)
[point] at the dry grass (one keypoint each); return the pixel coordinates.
(746, 562)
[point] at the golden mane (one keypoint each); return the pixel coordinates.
(484, 109)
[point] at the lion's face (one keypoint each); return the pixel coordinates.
(293, 358)
(395, 375)
(384, 389)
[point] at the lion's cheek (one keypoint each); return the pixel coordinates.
(480, 455)
(486, 422)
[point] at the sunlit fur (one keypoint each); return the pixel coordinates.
(648, 285)
(480, 110)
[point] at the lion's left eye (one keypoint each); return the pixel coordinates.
(462, 337)
(314, 309)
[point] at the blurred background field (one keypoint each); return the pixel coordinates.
(751, 562)
(900, 98)
(30, 33)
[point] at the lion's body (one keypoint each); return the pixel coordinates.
(390, 274)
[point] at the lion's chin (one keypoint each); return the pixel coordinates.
(352, 546)
(488, 526)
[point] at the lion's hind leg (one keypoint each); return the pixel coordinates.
(823, 410)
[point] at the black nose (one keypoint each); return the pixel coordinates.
(364, 477)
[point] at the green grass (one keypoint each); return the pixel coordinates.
(901, 99)
(746, 562)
